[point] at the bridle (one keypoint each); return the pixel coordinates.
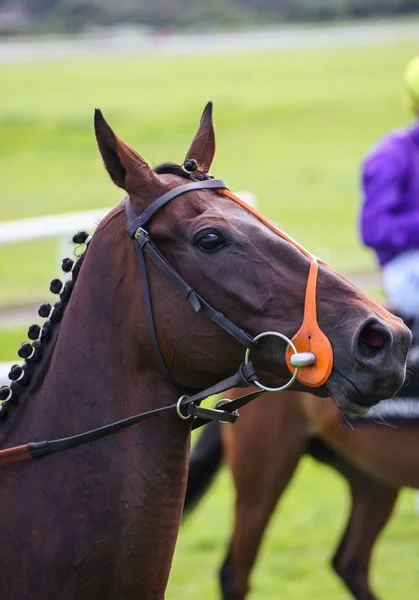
(145, 246)
(309, 355)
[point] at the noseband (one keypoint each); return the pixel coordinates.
(309, 353)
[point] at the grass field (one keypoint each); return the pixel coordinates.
(292, 127)
(294, 562)
(10, 340)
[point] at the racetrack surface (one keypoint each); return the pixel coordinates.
(129, 42)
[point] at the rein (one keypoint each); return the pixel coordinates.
(185, 407)
(309, 353)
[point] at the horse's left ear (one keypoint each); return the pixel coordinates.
(126, 167)
(203, 145)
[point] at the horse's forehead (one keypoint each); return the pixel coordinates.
(236, 215)
(208, 202)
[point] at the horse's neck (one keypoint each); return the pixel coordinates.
(101, 372)
(102, 367)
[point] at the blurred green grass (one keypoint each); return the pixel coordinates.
(10, 340)
(291, 127)
(302, 537)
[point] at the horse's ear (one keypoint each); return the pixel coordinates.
(203, 145)
(108, 147)
(126, 168)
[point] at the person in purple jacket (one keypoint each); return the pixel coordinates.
(390, 210)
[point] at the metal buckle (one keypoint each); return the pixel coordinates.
(298, 360)
(214, 414)
(178, 409)
(142, 236)
(223, 402)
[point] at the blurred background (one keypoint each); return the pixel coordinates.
(301, 90)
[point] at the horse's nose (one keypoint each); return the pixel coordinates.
(374, 343)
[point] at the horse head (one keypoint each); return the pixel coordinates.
(259, 278)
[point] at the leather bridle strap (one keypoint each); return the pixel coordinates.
(149, 314)
(140, 221)
(194, 299)
(145, 246)
(244, 377)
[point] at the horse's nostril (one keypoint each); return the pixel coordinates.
(372, 339)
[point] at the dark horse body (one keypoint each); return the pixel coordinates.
(100, 521)
(377, 455)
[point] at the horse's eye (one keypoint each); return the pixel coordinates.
(210, 242)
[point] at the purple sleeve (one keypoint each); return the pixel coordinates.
(385, 223)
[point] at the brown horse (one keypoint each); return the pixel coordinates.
(99, 521)
(263, 450)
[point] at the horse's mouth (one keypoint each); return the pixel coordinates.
(346, 395)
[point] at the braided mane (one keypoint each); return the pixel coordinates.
(21, 376)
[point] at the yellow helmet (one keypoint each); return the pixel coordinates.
(411, 85)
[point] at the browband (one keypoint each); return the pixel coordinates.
(146, 215)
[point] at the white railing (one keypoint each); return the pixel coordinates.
(4, 372)
(64, 226)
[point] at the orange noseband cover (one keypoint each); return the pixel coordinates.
(309, 338)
